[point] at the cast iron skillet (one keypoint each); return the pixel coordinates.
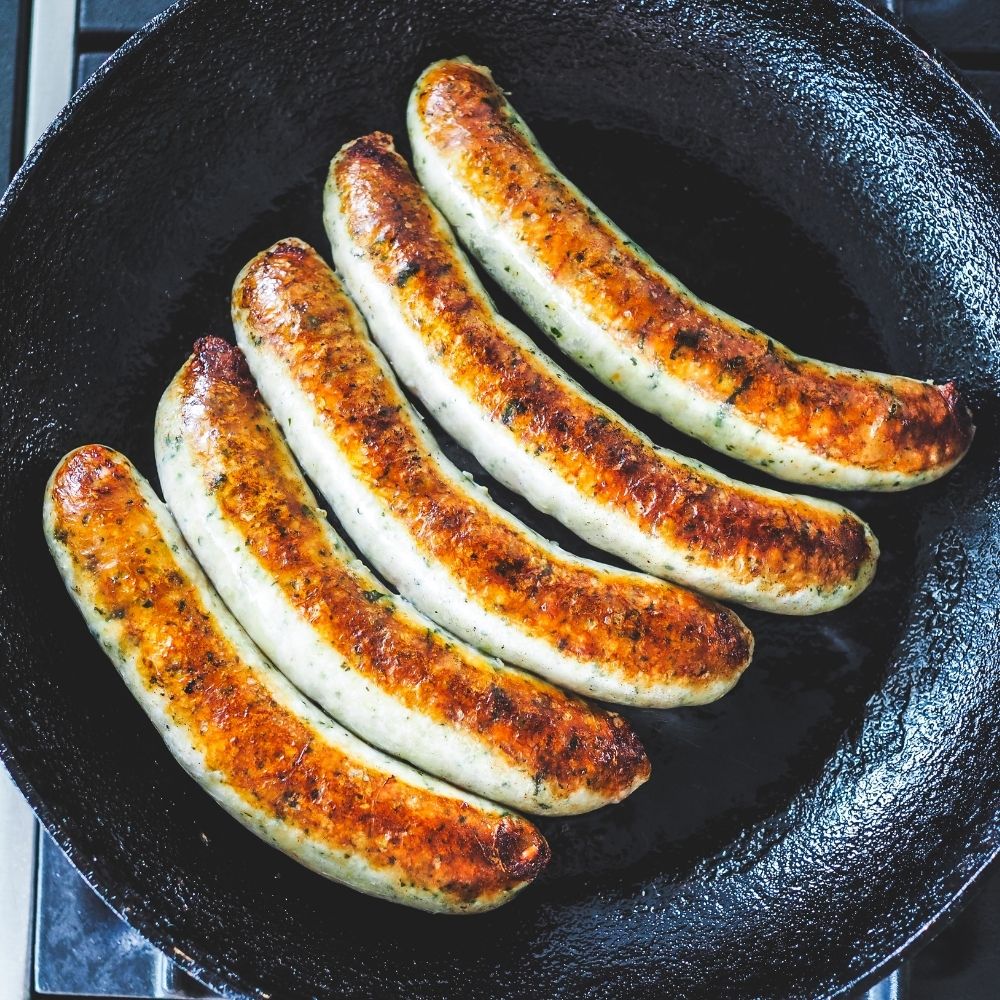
(802, 164)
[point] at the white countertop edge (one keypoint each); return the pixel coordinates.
(18, 842)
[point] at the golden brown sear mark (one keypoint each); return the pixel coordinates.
(642, 629)
(904, 427)
(721, 524)
(562, 740)
(276, 762)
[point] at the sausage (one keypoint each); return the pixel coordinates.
(607, 304)
(271, 759)
(540, 433)
(464, 561)
(362, 654)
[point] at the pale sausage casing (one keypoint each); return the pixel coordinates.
(267, 755)
(540, 433)
(607, 304)
(430, 530)
(363, 654)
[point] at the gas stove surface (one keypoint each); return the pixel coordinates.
(56, 937)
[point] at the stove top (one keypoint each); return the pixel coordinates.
(56, 937)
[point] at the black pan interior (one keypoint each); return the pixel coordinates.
(800, 164)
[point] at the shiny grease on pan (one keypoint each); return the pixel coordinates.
(541, 434)
(268, 756)
(605, 302)
(599, 630)
(363, 654)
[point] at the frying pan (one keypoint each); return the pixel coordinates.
(806, 166)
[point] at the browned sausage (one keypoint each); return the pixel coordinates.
(610, 633)
(541, 434)
(363, 654)
(612, 308)
(269, 757)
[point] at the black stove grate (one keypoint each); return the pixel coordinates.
(83, 949)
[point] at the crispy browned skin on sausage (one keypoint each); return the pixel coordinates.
(267, 754)
(560, 739)
(638, 627)
(905, 427)
(749, 533)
